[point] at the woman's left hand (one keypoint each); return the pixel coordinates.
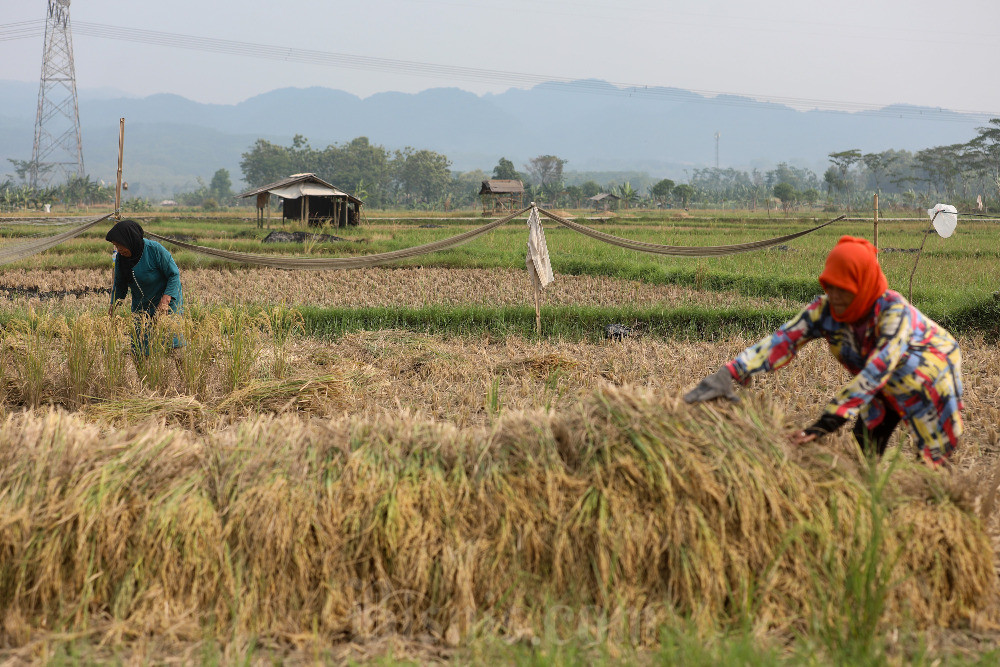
(164, 306)
(800, 437)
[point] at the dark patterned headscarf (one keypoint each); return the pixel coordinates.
(128, 234)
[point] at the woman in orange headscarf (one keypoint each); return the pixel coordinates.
(906, 367)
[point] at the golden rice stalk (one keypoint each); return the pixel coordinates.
(138, 409)
(626, 503)
(315, 395)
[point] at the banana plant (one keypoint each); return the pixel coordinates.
(627, 193)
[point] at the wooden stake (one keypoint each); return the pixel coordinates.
(121, 155)
(876, 220)
(538, 308)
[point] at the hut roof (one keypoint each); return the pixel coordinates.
(297, 185)
(500, 186)
(603, 196)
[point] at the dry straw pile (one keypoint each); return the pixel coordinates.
(634, 506)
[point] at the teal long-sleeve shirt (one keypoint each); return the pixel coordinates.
(154, 275)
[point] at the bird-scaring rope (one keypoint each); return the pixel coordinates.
(324, 263)
(15, 252)
(21, 250)
(679, 250)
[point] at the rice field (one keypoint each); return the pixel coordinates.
(315, 477)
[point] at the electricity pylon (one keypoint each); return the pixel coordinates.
(58, 144)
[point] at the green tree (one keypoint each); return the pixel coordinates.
(574, 193)
(221, 187)
(505, 170)
(661, 191)
(878, 165)
(422, 174)
(22, 168)
(265, 163)
(984, 153)
(357, 162)
(833, 181)
(466, 187)
(684, 193)
(798, 177)
(843, 161)
(786, 193)
(591, 188)
(546, 170)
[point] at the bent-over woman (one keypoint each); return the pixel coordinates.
(147, 269)
(906, 367)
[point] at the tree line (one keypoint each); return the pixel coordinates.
(964, 174)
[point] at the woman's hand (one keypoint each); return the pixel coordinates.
(164, 306)
(801, 437)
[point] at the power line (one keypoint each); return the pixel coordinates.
(474, 74)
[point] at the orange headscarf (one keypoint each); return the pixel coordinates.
(852, 265)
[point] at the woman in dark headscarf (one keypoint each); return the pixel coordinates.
(146, 268)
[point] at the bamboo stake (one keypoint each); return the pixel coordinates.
(876, 220)
(538, 308)
(121, 155)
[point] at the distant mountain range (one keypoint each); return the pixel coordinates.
(170, 141)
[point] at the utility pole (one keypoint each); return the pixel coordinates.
(717, 135)
(58, 143)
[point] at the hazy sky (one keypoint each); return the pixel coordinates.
(865, 53)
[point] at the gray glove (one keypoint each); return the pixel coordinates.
(718, 384)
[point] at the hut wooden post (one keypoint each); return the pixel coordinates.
(305, 209)
(262, 202)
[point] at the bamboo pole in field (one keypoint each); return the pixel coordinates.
(118, 182)
(876, 220)
(538, 308)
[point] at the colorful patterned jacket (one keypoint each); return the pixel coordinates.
(900, 359)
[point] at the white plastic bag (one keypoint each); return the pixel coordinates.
(944, 217)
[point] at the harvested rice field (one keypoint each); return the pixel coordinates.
(315, 478)
(375, 287)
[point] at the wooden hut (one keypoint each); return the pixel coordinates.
(604, 201)
(501, 196)
(307, 197)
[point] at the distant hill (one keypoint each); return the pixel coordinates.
(171, 141)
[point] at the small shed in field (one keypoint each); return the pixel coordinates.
(604, 201)
(308, 197)
(501, 196)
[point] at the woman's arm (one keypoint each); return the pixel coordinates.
(168, 267)
(779, 348)
(769, 354)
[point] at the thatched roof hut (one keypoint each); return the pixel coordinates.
(308, 197)
(604, 200)
(500, 196)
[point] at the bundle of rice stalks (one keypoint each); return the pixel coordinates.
(181, 410)
(626, 507)
(315, 395)
(539, 366)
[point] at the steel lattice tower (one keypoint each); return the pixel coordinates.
(58, 144)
